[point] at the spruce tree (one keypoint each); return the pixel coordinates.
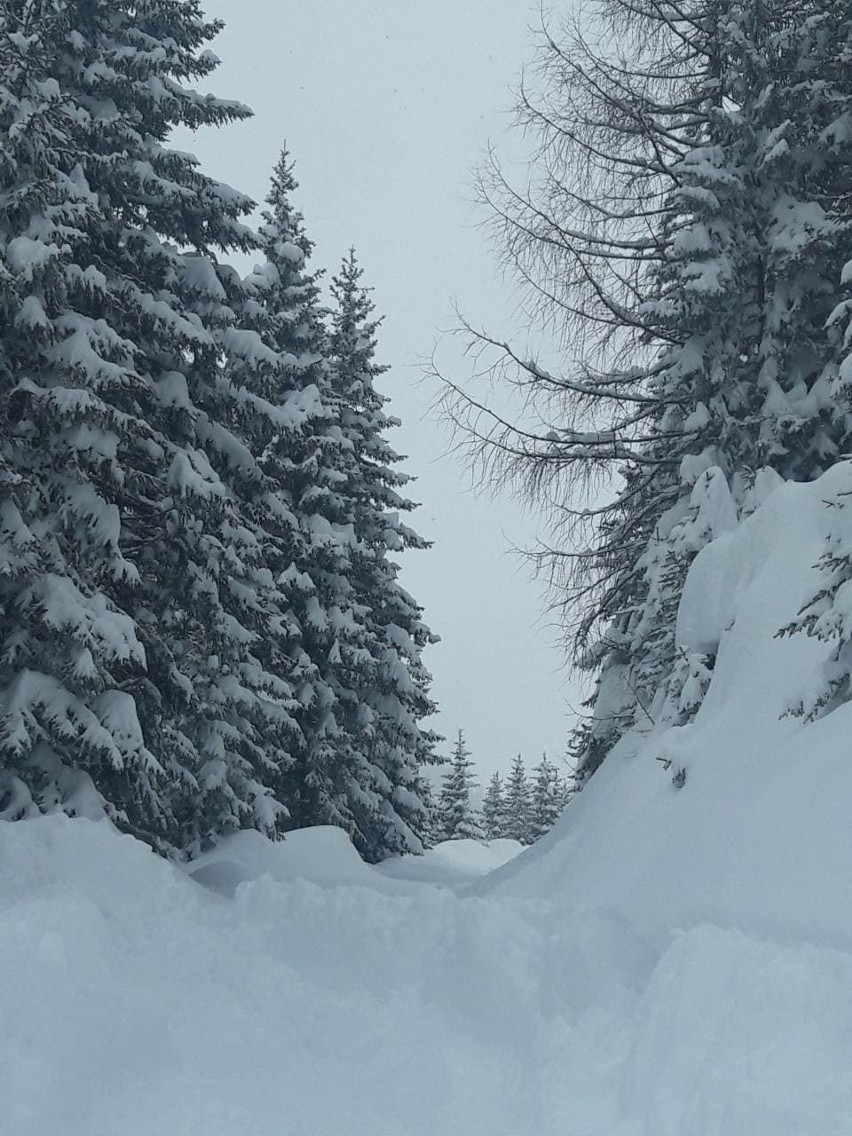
(349, 637)
(385, 675)
(826, 615)
(546, 798)
(458, 820)
(305, 515)
(494, 809)
(518, 803)
(123, 661)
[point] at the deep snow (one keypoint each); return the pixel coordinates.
(667, 962)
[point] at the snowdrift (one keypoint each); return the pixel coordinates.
(668, 962)
(759, 837)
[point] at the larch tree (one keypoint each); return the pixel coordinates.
(683, 231)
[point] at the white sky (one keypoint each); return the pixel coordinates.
(387, 107)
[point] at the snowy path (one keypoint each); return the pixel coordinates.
(137, 1002)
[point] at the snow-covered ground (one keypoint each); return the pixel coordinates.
(668, 962)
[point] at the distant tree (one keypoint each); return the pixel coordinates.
(547, 798)
(458, 820)
(518, 803)
(494, 809)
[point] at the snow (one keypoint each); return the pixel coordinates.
(666, 962)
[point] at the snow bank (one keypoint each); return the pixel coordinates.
(758, 837)
(452, 863)
(667, 962)
(324, 855)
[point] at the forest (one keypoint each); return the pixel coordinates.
(245, 883)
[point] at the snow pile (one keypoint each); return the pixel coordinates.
(453, 862)
(668, 962)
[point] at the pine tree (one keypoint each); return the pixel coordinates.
(828, 99)
(518, 803)
(351, 637)
(546, 798)
(305, 515)
(494, 809)
(385, 673)
(124, 662)
(458, 820)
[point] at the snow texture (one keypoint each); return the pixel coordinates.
(666, 962)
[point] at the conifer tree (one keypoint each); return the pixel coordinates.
(518, 803)
(385, 673)
(117, 528)
(350, 637)
(307, 520)
(494, 809)
(458, 820)
(546, 798)
(827, 614)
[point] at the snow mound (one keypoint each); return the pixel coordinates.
(452, 863)
(323, 855)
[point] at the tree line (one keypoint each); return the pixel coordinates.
(523, 808)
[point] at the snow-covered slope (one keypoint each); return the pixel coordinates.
(668, 962)
(760, 836)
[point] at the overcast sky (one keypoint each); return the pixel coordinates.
(386, 107)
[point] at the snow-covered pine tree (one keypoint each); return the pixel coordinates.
(698, 288)
(307, 524)
(546, 798)
(115, 525)
(518, 804)
(827, 615)
(458, 819)
(494, 809)
(431, 834)
(351, 639)
(386, 680)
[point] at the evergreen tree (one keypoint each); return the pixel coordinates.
(828, 99)
(350, 638)
(546, 798)
(124, 661)
(458, 820)
(494, 809)
(519, 821)
(388, 682)
(306, 516)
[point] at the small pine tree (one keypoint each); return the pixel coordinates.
(494, 809)
(458, 820)
(518, 804)
(547, 798)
